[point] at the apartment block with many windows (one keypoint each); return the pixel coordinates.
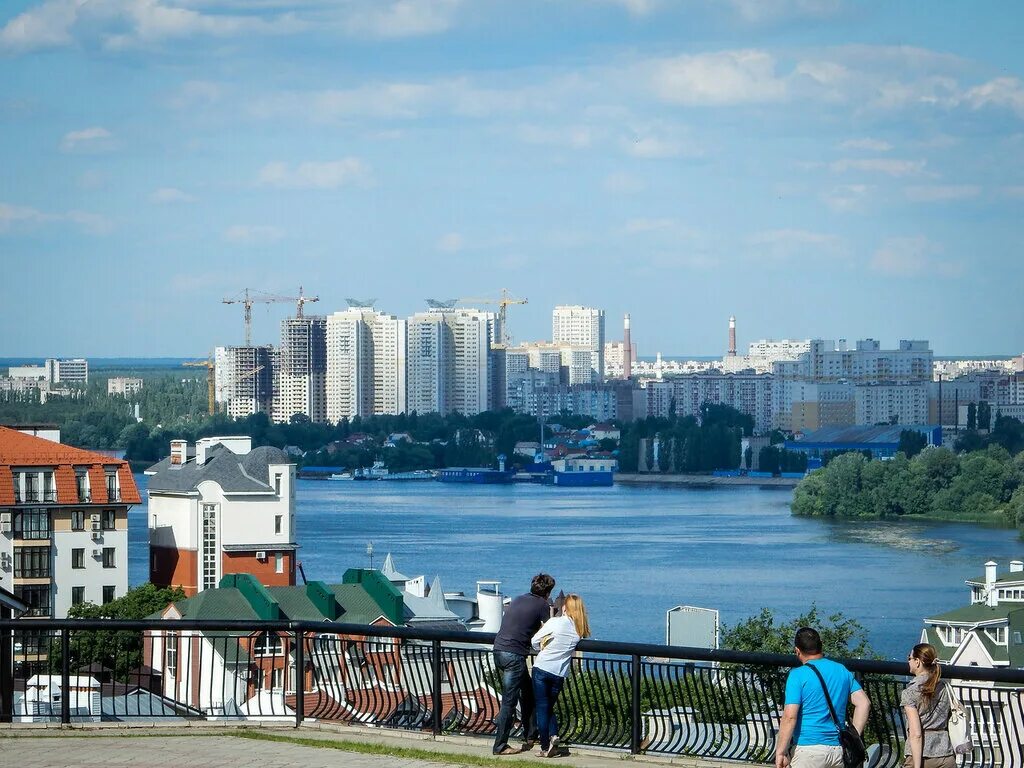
(63, 524)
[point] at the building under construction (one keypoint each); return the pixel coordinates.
(244, 379)
(301, 375)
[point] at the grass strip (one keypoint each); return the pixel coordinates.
(411, 753)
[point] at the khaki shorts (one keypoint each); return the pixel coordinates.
(816, 756)
(946, 761)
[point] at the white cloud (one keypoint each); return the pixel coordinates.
(887, 166)
(315, 175)
(658, 141)
(195, 93)
(1017, 191)
(171, 195)
(935, 193)
(451, 242)
(243, 234)
(756, 11)
(1006, 92)
(911, 256)
(721, 78)
(89, 140)
(403, 18)
(868, 145)
(570, 136)
(847, 197)
(635, 7)
(788, 243)
(14, 215)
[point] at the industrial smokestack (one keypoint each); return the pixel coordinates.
(732, 336)
(627, 350)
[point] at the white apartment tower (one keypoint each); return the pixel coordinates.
(365, 364)
(449, 361)
(301, 380)
(581, 327)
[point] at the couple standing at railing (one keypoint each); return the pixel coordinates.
(811, 734)
(531, 623)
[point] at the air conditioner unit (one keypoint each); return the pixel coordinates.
(95, 517)
(5, 526)
(97, 534)
(96, 525)
(5, 561)
(5, 517)
(261, 555)
(97, 553)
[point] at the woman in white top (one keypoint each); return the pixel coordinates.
(556, 642)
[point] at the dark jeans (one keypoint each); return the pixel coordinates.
(546, 688)
(516, 689)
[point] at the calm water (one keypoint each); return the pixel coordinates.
(633, 553)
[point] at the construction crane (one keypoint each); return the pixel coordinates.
(211, 384)
(503, 304)
(247, 298)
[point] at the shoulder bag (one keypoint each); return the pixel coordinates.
(959, 724)
(850, 739)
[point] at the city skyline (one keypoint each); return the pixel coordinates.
(817, 168)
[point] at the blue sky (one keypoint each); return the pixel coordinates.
(815, 167)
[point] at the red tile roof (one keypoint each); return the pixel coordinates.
(20, 450)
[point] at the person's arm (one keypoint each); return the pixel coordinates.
(786, 727)
(538, 637)
(861, 709)
(915, 736)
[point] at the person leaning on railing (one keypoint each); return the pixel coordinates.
(925, 701)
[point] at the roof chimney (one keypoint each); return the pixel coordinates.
(990, 583)
(732, 336)
(1016, 566)
(627, 350)
(178, 452)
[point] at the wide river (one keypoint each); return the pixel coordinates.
(634, 552)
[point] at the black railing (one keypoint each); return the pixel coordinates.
(631, 697)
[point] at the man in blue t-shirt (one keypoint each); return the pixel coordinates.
(806, 720)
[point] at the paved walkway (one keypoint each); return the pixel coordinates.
(209, 748)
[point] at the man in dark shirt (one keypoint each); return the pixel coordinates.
(522, 619)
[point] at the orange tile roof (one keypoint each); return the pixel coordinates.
(20, 450)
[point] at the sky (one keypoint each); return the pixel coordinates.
(818, 168)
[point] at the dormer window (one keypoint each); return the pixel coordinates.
(82, 485)
(30, 486)
(997, 634)
(113, 493)
(49, 490)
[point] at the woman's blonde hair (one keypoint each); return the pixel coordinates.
(577, 611)
(928, 656)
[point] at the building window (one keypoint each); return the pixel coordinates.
(278, 563)
(268, 644)
(35, 596)
(277, 484)
(108, 594)
(78, 558)
(77, 595)
(77, 519)
(30, 486)
(49, 490)
(31, 562)
(108, 557)
(82, 485)
(278, 522)
(31, 524)
(277, 678)
(171, 656)
(209, 546)
(112, 490)
(109, 517)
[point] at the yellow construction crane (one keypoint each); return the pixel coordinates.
(211, 394)
(249, 297)
(503, 303)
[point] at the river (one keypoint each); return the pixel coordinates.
(634, 552)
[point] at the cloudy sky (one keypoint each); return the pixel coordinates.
(815, 167)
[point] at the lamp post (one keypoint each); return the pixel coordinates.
(369, 553)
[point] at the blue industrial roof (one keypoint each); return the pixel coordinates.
(858, 435)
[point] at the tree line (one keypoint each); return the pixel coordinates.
(686, 444)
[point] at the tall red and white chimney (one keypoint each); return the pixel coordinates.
(627, 350)
(732, 336)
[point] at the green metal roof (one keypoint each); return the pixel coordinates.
(977, 613)
(357, 605)
(295, 604)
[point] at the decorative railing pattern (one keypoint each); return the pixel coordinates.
(631, 697)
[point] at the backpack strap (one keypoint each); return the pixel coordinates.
(828, 700)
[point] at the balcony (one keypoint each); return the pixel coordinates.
(652, 700)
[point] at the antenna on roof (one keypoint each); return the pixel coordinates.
(369, 553)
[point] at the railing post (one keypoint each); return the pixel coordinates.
(300, 677)
(636, 731)
(65, 675)
(435, 696)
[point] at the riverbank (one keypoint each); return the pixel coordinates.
(705, 481)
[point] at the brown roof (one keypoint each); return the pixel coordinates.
(20, 450)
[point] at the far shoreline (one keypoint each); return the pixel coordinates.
(705, 481)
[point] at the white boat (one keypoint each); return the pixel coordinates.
(341, 476)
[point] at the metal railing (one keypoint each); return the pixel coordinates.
(630, 697)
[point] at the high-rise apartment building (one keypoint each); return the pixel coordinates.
(244, 379)
(366, 364)
(450, 360)
(300, 384)
(578, 326)
(63, 524)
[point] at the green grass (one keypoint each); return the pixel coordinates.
(411, 753)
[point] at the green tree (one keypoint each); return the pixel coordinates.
(911, 442)
(984, 415)
(972, 416)
(841, 636)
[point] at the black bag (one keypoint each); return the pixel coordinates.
(850, 740)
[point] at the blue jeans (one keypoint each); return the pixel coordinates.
(546, 688)
(516, 689)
